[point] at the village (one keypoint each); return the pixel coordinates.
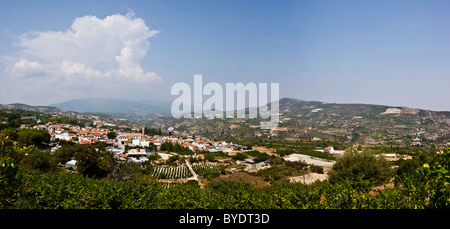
(134, 146)
(93, 135)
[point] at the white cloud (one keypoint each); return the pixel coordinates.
(92, 50)
(25, 68)
(72, 68)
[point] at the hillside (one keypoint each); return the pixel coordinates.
(41, 109)
(311, 120)
(131, 110)
(57, 112)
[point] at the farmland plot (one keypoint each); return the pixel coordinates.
(173, 172)
(203, 167)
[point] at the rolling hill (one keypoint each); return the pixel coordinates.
(312, 120)
(131, 110)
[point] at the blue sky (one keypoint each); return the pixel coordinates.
(379, 52)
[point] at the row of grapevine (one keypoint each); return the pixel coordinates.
(167, 185)
(173, 172)
(204, 167)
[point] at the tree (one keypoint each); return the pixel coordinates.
(64, 154)
(38, 159)
(240, 156)
(153, 157)
(209, 175)
(89, 162)
(177, 148)
(366, 165)
(406, 167)
(173, 159)
(10, 175)
(210, 157)
(167, 146)
(10, 133)
(111, 135)
(33, 137)
(101, 145)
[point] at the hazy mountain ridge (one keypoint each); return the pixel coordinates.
(313, 120)
(71, 114)
(132, 110)
(41, 109)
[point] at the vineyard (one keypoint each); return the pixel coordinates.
(204, 167)
(172, 172)
(182, 171)
(425, 187)
(167, 185)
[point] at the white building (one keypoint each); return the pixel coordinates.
(137, 152)
(144, 144)
(63, 136)
(136, 142)
(137, 155)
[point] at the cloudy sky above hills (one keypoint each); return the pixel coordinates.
(379, 52)
(96, 57)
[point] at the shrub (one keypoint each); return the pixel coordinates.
(316, 169)
(240, 156)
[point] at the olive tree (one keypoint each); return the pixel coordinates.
(365, 165)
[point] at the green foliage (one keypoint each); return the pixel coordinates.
(210, 157)
(38, 159)
(33, 137)
(111, 135)
(23, 184)
(166, 146)
(209, 175)
(69, 191)
(259, 157)
(172, 172)
(90, 161)
(152, 131)
(101, 145)
(153, 157)
(354, 165)
(299, 165)
(174, 158)
(177, 148)
(407, 167)
(316, 169)
(10, 175)
(240, 156)
(276, 173)
(429, 185)
(64, 154)
(10, 133)
(426, 188)
(206, 169)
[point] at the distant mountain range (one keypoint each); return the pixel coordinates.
(132, 110)
(312, 120)
(40, 109)
(73, 114)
